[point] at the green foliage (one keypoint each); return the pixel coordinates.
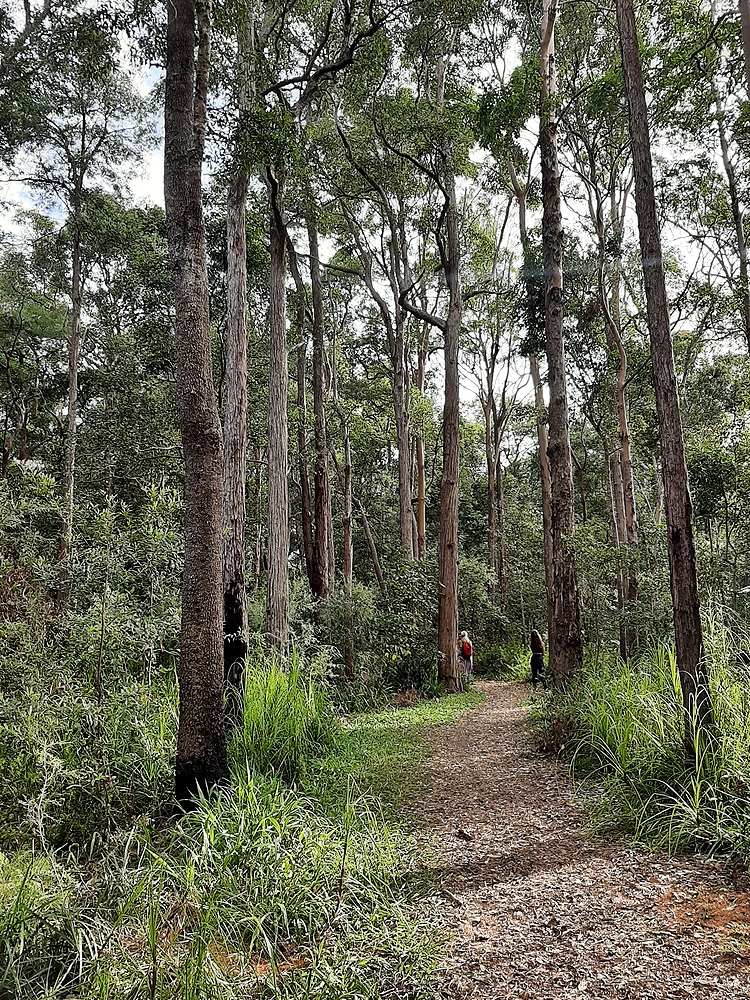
(507, 661)
(305, 891)
(285, 720)
(624, 726)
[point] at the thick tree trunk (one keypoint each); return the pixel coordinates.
(74, 351)
(448, 671)
(235, 440)
(546, 488)
(565, 645)
(277, 588)
(680, 544)
(201, 746)
(322, 489)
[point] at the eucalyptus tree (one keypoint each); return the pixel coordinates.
(680, 543)
(564, 627)
(201, 742)
(381, 196)
(596, 148)
(296, 52)
(89, 127)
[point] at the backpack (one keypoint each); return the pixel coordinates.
(466, 649)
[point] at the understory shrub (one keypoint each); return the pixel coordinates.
(264, 889)
(508, 661)
(286, 719)
(623, 725)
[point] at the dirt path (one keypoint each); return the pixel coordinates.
(538, 907)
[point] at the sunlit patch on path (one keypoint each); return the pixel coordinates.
(536, 906)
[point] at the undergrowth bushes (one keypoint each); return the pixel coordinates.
(299, 879)
(622, 724)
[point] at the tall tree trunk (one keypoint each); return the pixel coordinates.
(420, 457)
(745, 18)
(502, 561)
(74, 351)
(201, 745)
(680, 544)
(565, 644)
(320, 475)
(737, 214)
(541, 424)
(490, 463)
(448, 530)
(306, 510)
(546, 488)
(348, 554)
(277, 589)
(235, 439)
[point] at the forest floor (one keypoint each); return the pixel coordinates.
(537, 905)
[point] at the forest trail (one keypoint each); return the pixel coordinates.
(537, 906)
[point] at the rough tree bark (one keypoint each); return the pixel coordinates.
(277, 590)
(541, 424)
(448, 671)
(322, 489)
(201, 745)
(680, 543)
(565, 645)
(235, 439)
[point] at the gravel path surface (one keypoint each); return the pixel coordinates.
(537, 906)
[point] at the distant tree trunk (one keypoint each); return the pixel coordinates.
(235, 439)
(502, 561)
(420, 457)
(277, 591)
(680, 544)
(745, 18)
(541, 424)
(737, 214)
(490, 463)
(546, 488)
(348, 555)
(448, 529)
(304, 471)
(371, 547)
(201, 745)
(320, 474)
(565, 645)
(306, 510)
(74, 351)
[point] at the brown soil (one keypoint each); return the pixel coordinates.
(537, 906)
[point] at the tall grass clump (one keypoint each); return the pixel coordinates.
(623, 725)
(286, 720)
(266, 888)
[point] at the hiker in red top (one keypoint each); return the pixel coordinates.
(466, 654)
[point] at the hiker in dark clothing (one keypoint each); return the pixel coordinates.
(537, 659)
